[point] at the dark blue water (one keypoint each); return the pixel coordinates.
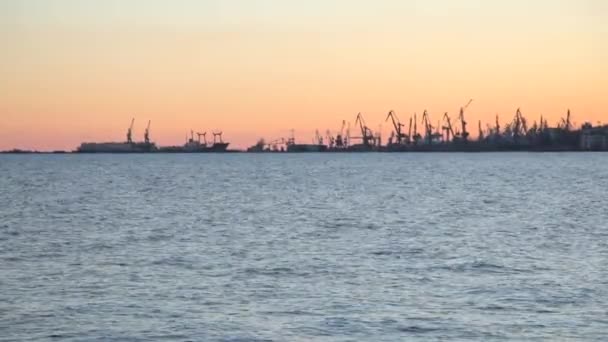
(324, 247)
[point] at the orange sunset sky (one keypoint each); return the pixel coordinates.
(79, 70)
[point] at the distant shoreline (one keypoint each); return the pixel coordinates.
(24, 152)
(33, 152)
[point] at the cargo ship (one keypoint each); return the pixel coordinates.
(294, 147)
(199, 146)
(116, 147)
(128, 146)
(516, 135)
(306, 148)
(191, 146)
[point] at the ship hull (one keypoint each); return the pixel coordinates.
(299, 148)
(113, 147)
(215, 148)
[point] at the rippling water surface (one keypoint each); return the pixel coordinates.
(324, 247)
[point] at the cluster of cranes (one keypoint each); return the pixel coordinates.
(431, 132)
(146, 132)
(399, 136)
(446, 135)
(217, 136)
(517, 131)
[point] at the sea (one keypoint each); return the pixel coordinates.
(304, 247)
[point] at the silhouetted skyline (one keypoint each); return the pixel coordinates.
(77, 71)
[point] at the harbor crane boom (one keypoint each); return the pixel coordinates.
(416, 135)
(147, 133)
(340, 139)
(427, 126)
(130, 132)
(467, 105)
(409, 132)
(397, 124)
(366, 133)
(524, 124)
(521, 126)
(449, 130)
(566, 122)
(463, 123)
(359, 120)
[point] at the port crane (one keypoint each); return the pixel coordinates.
(409, 132)
(292, 139)
(428, 127)
(378, 136)
(401, 137)
(464, 134)
(204, 135)
(540, 128)
(366, 134)
(416, 135)
(522, 127)
(543, 124)
(330, 139)
(518, 126)
(347, 135)
(147, 133)
(318, 138)
(341, 140)
(130, 132)
(565, 124)
(448, 129)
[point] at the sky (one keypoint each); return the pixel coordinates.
(79, 70)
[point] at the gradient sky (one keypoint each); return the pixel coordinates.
(79, 70)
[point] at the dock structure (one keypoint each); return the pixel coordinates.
(191, 145)
(594, 138)
(519, 134)
(448, 135)
(128, 146)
